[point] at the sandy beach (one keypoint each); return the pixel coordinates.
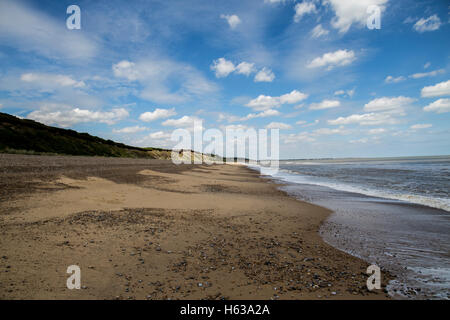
(149, 229)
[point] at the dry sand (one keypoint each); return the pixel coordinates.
(148, 229)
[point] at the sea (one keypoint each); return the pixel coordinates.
(392, 212)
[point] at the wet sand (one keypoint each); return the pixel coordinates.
(148, 229)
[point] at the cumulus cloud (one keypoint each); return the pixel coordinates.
(160, 135)
(66, 116)
(438, 106)
(421, 126)
(156, 139)
(431, 23)
(263, 102)
(262, 114)
(352, 12)
(245, 68)
(222, 67)
(381, 111)
(264, 75)
(319, 31)
(134, 129)
(367, 119)
(333, 59)
(278, 125)
(233, 20)
(439, 89)
(303, 8)
(325, 104)
(157, 114)
(387, 104)
(187, 122)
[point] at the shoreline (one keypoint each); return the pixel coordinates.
(144, 229)
(406, 239)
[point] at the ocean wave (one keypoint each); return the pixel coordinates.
(295, 177)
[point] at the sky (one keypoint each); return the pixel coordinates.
(137, 70)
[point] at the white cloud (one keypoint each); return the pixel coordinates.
(381, 111)
(223, 67)
(160, 135)
(245, 68)
(426, 65)
(427, 74)
(325, 104)
(66, 116)
(386, 104)
(235, 127)
(125, 69)
(439, 89)
(51, 81)
(328, 131)
(319, 31)
(349, 12)
(367, 119)
(304, 123)
(297, 137)
(264, 75)
(377, 131)
(233, 20)
(156, 139)
(263, 114)
(227, 117)
(164, 80)
(27, 30)
(333, 59)
(292, 97)
(421, 126)
(391, 79)
(278, 125)
(157, 114)
(438, 106)
(348, 93)
(351, 92)
(431, 23)
(303, 8)
(263, 102)
(134, 129)
(362, 140)
(183, 122)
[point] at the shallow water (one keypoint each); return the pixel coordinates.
(388, 212)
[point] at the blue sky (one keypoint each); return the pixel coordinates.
(137, 70)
